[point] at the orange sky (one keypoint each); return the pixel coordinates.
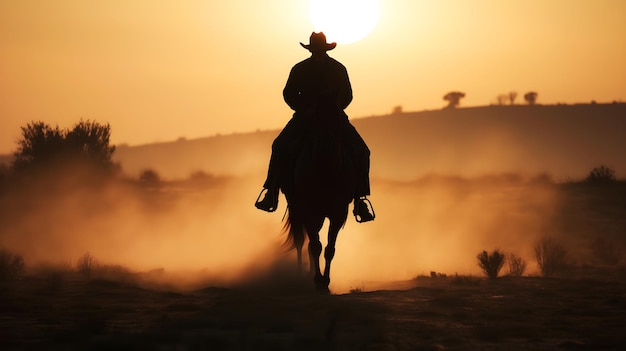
(158, 70)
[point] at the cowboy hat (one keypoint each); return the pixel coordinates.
(317, 42)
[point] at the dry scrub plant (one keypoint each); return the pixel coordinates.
(86, 265)
(491, 263)
(601, 174)
(11, 265)
(550, 256)
(517, 265)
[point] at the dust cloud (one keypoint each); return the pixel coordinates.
(439, 224)
(212, 234)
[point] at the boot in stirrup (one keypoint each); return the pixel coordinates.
(269, 202)
(363, 210)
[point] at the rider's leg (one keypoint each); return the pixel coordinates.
(363, 210)
(268, 199)
(277, 164)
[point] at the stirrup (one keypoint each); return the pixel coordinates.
(358, 203)
(269, 202)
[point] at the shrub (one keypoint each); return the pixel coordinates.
(115, 273)
(149, 177)
(601, 174)
(517, 265)
(491, 263)
(11, 265)
(550, 256)
(86, 265)
(54, 277)
(434, 274)
(466, 280)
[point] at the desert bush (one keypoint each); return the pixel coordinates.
(550, 256)
(54, 277)
(491, 264)
(201, 178)
(517, 265)
(11, 265)
(86, 265)
(4, 172)
(434, 274)
(149, 177)
(115, 273)
(601, 174)
(466, 280)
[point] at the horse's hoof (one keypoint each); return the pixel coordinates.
(322, 283)
(323, 289)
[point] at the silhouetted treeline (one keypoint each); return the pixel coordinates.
(43, 147)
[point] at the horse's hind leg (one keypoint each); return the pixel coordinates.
(315, 250)
(329, 252)
(299, 243)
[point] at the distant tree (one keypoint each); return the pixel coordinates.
(501, 99)
(530, 97)
(42, 145)
(396, 110)
(90, 141)
(512, 97)
(453, 98)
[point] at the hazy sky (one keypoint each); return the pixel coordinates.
(157, 70)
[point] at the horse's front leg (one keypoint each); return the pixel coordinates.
(315, 250)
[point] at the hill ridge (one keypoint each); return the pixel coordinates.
(561, 140)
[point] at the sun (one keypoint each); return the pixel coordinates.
(344, 21)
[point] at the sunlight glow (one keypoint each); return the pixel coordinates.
(344, 21)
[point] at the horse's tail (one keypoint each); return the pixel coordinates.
(295, 232)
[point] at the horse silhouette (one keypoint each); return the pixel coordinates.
(320, 185)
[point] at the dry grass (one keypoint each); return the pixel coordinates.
(11, 265)
(550, 256)
(517, 265)
(453, 313)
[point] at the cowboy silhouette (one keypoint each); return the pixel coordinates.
(319, 84)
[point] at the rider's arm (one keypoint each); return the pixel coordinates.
(292, 93)
(345, 89)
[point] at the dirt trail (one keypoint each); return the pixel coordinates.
(453, 313)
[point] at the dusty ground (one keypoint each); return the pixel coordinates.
(453, 313)
(584, 308)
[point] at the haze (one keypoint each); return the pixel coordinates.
(214, 236)
(160, 70)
